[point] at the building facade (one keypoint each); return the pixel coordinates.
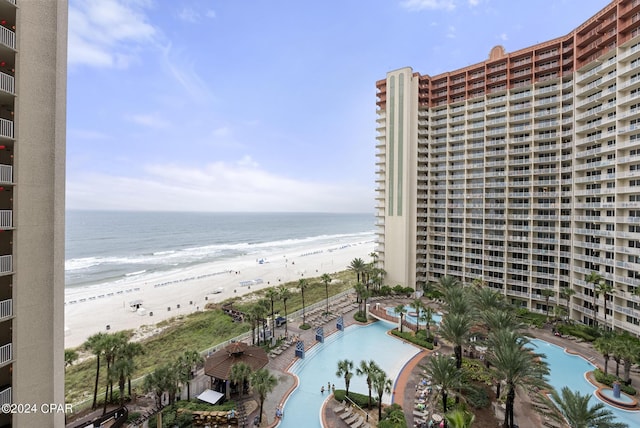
(33, 46)
(522, 171)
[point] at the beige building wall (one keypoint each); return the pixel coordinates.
(39, 175)
(399, 201)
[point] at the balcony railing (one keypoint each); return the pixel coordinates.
(6, 126)
(6, 174)
(5, 396)
(6, 219)
(7, 37)
(6, 264)
(7, 83)
(6, 353)
(6, 308)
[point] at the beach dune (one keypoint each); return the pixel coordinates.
(110, 307)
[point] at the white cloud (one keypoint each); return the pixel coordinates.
(451, 32)
(86, 134)
(148, 120)
(189, 15)
(220, 186)
(428, 4)
(504, 37)
(183, 72)
(210, 13)
(107, 33)
(474, 2)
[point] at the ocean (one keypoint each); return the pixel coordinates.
(105, 247)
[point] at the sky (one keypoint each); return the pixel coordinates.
(257, 105)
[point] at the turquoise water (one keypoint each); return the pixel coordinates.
(356, 343)
(411, 318)
(569, 370)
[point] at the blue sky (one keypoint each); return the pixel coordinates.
(256, 105)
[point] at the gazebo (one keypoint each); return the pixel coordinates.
(218, 366)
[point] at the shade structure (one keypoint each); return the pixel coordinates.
(210, 396)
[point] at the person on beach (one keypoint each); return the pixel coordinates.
(322, 390)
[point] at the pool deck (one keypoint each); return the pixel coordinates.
(404, 387)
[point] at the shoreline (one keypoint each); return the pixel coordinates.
(107, 308)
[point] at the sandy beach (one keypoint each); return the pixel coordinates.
(107, 307)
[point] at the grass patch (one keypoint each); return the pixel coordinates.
(409, 336)
(584, 332)
(609, 379)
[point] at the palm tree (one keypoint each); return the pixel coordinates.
(418, 306)
(427, 319)
(594, 278)
(96, 344)
(443, 373)
(547, 293)
(381, 383)
(487, 299)
(302, 285)
(253, 315)
(272, 295)
(604, 344)
(456, 329)
(400, 310)
(628, 349)
(360, 292)
(573, 408)
(70, 356)
(185, 366)
(459, 418)
(124, 365)
(326, 279)
(157, 382)
(367, 370)
(285, 294)
(112, 344)
(345, 369)
(239, 374)
(516, 365)
(263, 382)
(357, 265)
(606, 289)
(447, 284)
(566, 293)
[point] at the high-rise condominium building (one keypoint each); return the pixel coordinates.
(522, 171)
(33, 46)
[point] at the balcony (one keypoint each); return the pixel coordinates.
(6, 264)
(6, 127)
(6, 353)
(5, 396)
(7, 37)
(6, 309)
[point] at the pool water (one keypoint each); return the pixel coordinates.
(435, 318)
(569, 370)
(320, 364)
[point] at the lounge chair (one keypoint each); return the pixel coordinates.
(354, 417)
(346, 413)
(358, 423)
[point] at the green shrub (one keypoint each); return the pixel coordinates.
(385, 290)
(410, 337)
(305, 326)
(133, 416)
(360, 316)
(360, 399)
(609, 379)
(393, 417)
(478, 398)
(584, 332)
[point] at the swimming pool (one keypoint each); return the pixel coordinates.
(436, 317)
(569, 370)
(356, 343)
